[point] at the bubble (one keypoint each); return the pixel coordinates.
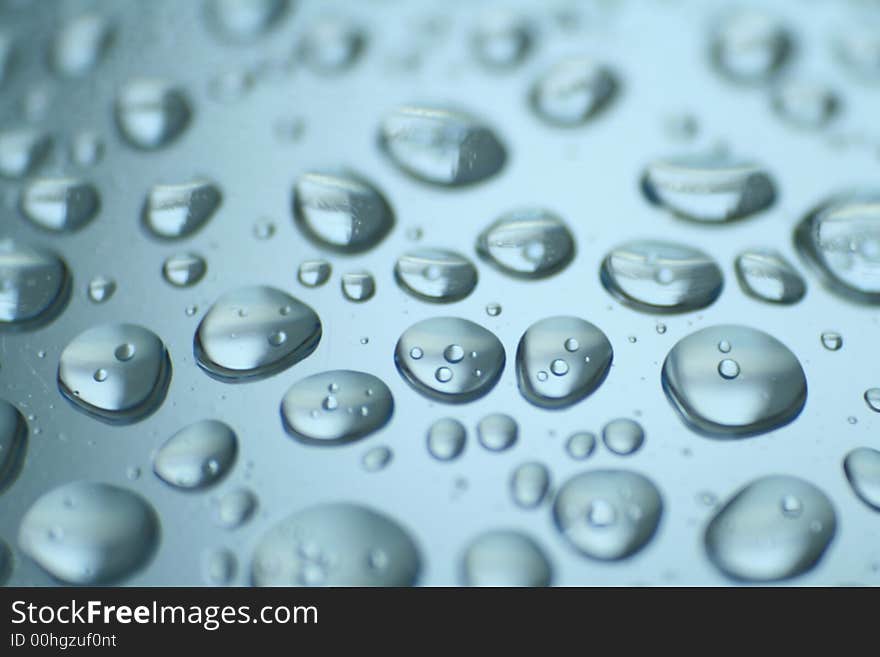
(527, 243)
(80, 45)
(359, 405)
(232, 341)
(759, 388)
(245, 20)
(336, 545)
(530, 484)
(184, 269)
(501, 39)
(572, 92)
(234, 508)
(546, 342)
(805, 105)
(87, 533)
(441, 146)
(60, 205)
(151, 114)
(197, 456)
(358, 286)
(774, 528)
(750, 46)
(314, 273)
(436, 275)
(446, 439)
(831, 340)
(766, 275)
(101, 288)
(377, 458)
(341, 211)
(505, 558)
(623, 436)
(178, 211)
(22, 151)
(13, 445)
(332, 44)
(34, 285)
(581, 445)
(497, 432)
(862, 469)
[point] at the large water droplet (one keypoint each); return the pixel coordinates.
(446, 439)
(336, 545)
(608, 514)
(436, 275)
(80, 45)
(254, 332)
(529, 243)
(332, 44)
(184, 269)
(505, 558)
(151, 113)
(178, 211)
(60, 204)
(501, 39)
(623, 436)
(497, 432)
(88, 533)
(529, 484)
(13, 443)
(775, 528)
(245, 20)
(197, 456)
(358, 286)
(440, 146)
(578, 345)
(34, 285)
(118, 373)
(336, 407)
(341, 211)
(763, 389)
(862, 468)
(709, 187)
(420, 359)
(805, 105)
(573, 91)
(655, 276)
(750, 46)
(841, 239)
(22, 151)
(766, 275)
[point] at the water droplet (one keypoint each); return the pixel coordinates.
(872, 398)
(862, 468)
(332, 44)
(440, 146)
(314, 273)
(59, 205)
(80, 45)
(655, 276)
(852, 419)
(235, 508)
(505, 558)
(529, 484)
(22, 151)
(102, 533)
(436, 275)
(608, 514)
(245, 20)
(660, 328)
(197, 456)
(13, 444)
(841, 240)
(805, 105)
(623, 436)
(573, 92)
(750, 46)
(493, 309)
(446, 439)
(377, 458)
(184, 269)
(497, 432)
(151, 114)
(219, 566)
(179, 211)
(264, 229)
(754, 538)
(502, 39)
(710, 187)
(767, 390)
(581, 445)
(831, 340)
(724, 346)
(86, 149)
(34, 285)
(858, 48)
(100, 289)
(766, 275)
(132, 388)
(352, 534)
(527, 243)
(232, 346)
(358, 286)
(310, 415)
(547, 341)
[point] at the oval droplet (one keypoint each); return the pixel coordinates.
(766, 275)
(436, 275)
(34, 285)
(573, 92)
(750, 46)
(528, 243)
(623, 436)
(80, 45)
(831, 340)
(529, 484)
(501, 39)
(505, 558)
(197, 456)
(377, 458)
(13, 444)
(60, 205)
(358, 286)
(178, 211)
(100, 289)
(581, 445)
(314, 273)
(497, 432)
(235, 508)
(219, 566)
(446, 439)
(22, 151)
(151, 114)
(184, 269)
(332, 44)
(805, 105)
(862, 469)
(245, 20)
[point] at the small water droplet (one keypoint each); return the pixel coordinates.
(436, 275)
(151, 113)
(573, 92)
(831, 340)
(766, 275)
(101, 288)
(314, 273)
(446, 439)
(581, 445)
(862, 468)
(358, 286)
(377, 458)
(60, 205)
(750, 46)
(180, 210)
(184, 269)
(497, 432)
(529, 484)
(527, 243)
(623, 436)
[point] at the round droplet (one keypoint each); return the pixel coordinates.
(197, 456)
(336, 545)
(831, 340)
(87, 533)
(264, 229)
(709, 187)
(872, 398)
(472, 377)
(446, 439)
(767, 388)
(549, 340)
(493, 309)
(34, 285)
(608, 514)
(358, 286)
(151, 114)
(235, 508)
(581, 445)
(436, 275)
(440, 146)
(22, 151)
(101, 288)
(233, 341)
(178, 211)
(655, 276)
(245, 20)
(314, 273)
(80, 45)
(13, 444)
(862, 468)
(841, 240)
(766, 275)
(623, 436)
(129, 389)
(497, 432)
(184, 269)
(60, 205)
(529, 484)
(377, 458)
(573, 92)
(219, 566)
(775, 528)
(502, 39)
(505, 558)
(805, 105)
(357, 405)
(341, 211)
(332, 44)
(527, 243)
(750, 46)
